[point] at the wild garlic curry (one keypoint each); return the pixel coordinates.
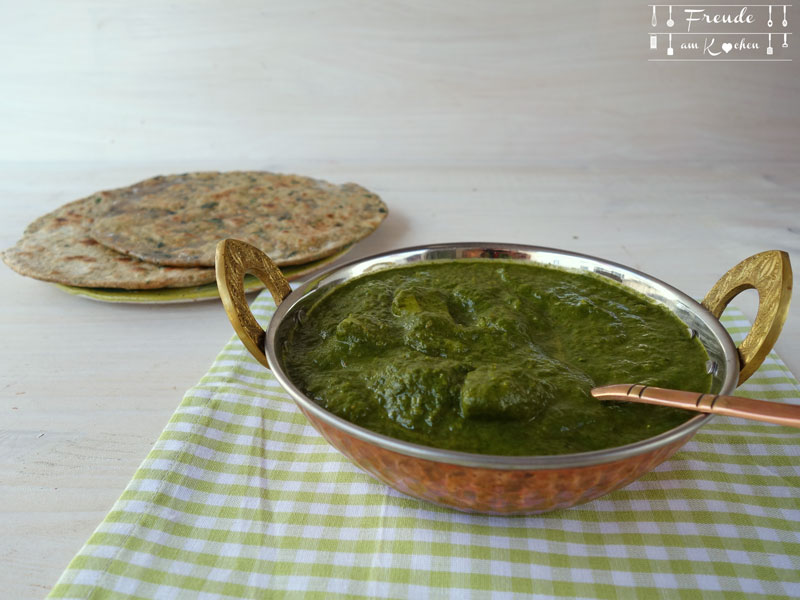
(492, 357)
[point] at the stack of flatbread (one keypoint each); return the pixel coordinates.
(162, 232)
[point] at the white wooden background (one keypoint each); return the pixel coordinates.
(526, 122)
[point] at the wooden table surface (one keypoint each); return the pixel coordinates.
(508, 121)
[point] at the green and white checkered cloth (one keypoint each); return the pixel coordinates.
(241, 498)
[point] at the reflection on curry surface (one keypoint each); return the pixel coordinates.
(493, 357)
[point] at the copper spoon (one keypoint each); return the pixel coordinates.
(729, 406)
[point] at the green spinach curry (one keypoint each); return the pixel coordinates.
(493, 357)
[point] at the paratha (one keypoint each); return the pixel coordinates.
(193, 293)
(293, 219)
(57, 247)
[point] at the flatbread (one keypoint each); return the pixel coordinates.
(293, 219)
(57, 247)
(194, 293)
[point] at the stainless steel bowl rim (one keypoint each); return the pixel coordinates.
(340, 273)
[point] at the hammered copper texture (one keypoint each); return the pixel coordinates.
(493, 491)
(491, 488)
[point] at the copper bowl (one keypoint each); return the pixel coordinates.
(509, 484)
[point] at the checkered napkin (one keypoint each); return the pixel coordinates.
(241, 498)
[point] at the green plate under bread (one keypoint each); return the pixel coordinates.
(192, 293)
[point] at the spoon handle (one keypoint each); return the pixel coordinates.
(729, 406)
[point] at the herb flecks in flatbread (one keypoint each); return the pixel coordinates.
(57, 247)
(293, 219)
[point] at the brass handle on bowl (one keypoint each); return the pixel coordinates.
(234, 259)
(769, 273)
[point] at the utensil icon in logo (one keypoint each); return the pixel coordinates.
(785, 43)
(769, 22)
(670, 22)
(769, 45)
(785, 22)
(654, 22)
(669, 50)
